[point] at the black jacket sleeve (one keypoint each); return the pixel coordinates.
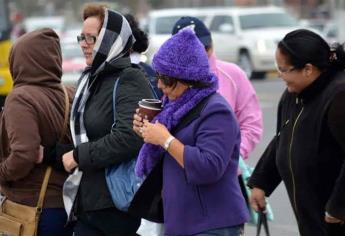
(53, 155)
(122, 143)
(336, 117)
(265, 175)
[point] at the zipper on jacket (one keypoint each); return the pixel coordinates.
(290, 160)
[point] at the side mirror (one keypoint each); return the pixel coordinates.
(226, 28)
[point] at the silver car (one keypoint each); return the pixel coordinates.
(247, 36)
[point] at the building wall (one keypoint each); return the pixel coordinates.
(304, 7)
(300, 7)
(245, 2)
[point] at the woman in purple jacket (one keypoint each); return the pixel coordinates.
(201, 194)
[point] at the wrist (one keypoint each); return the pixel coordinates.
(168, 142)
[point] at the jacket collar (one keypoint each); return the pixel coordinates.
(317, 86)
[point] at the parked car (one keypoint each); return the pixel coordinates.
(245, 35)
(318, 24)
(327, 28)
(331, 33)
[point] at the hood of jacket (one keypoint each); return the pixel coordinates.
(113, 42)
(35, 59)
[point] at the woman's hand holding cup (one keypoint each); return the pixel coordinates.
(138, 123)
(154, 133)
(148, 109)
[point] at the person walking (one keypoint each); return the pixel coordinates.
(234, 86)
(198, 137)
(99, 143)
(307, 152)
(33, 116)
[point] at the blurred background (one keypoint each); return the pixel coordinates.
(302, 8)
(244, 32)
(248, 42)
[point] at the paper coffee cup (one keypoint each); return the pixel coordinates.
(149, 108)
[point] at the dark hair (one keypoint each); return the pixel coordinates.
(141, 39)
(304, 46)
(172, 82)
(207, 48)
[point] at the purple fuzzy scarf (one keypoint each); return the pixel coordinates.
(170, 116)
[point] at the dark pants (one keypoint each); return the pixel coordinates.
(107, 222)
(229, 231)
(52, 223)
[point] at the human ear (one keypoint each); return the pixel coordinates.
(308, 69)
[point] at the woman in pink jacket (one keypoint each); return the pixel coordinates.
(234, 86)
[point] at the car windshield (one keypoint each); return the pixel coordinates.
(164, 25)
(267, 20)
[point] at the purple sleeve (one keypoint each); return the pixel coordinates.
(217, 136)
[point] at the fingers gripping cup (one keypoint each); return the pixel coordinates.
(149, 108)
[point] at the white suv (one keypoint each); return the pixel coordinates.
(247, 36)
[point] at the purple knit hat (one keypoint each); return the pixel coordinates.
(184, 57)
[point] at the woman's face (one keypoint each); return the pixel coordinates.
(89, 34)
(172, 92)
(296, 79)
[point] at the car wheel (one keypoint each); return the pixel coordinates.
(245, 63)
(259, 75)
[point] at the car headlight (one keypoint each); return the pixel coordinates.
(261, 46)
(265, 45)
